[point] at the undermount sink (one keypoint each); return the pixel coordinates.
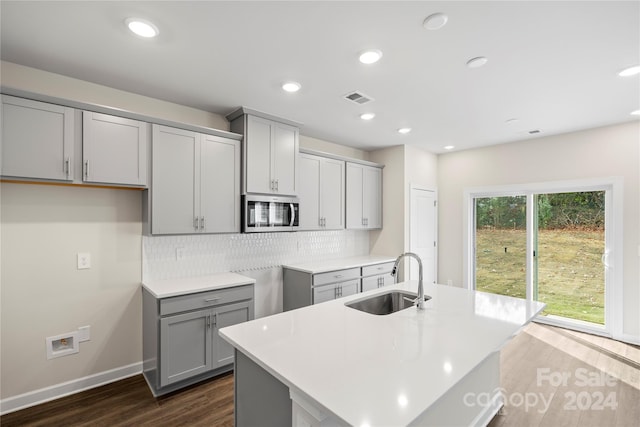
(386, 303)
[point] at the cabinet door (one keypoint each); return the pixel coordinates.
(375, 282)
(226, 316)
(355, 218)
(309, 194)
(372, 197)
(284, 154)
(258, 155)
(114, 149)
(351, 287)
(173, 197)
(37, 139)
(387, 279)
(370, 283)
(219, 185)
(324, 293)
(185, 346)
(332, 193)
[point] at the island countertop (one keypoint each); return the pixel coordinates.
(382, 370)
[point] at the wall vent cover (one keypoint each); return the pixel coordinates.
(358, 97)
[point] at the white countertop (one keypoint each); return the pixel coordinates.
(316, 267)
(173, 287)
(382, 370)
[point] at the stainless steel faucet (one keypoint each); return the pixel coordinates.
(420, 300)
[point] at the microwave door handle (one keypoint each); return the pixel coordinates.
(293, 214)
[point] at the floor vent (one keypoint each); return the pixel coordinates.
(358, 97)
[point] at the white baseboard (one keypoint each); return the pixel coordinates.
(57, 391)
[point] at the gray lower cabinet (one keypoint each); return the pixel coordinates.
(302, 288)
(377, 276)
(181, 344)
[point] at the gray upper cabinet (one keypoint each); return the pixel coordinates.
(270, 152)
(322, 189)
(37, 140)
(195, 184)
(114, 149)
(219, 184)
(364, 196)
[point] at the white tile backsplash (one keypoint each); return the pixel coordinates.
(214, 253)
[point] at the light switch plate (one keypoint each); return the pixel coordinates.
(84, 261)
(84, 333)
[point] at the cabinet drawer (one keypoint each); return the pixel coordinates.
(372, 270)
(205, 299)
(336, 276)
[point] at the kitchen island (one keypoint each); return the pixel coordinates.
(329, 364)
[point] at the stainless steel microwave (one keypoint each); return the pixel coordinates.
(265, 214)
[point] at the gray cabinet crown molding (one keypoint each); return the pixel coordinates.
(339, 157)
(116, 112)
(250, 111)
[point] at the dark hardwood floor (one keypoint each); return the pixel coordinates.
(129, 402)
(530, 364)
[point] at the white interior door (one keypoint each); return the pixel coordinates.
(422, 233)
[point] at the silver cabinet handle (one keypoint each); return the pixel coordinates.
(277, 185)
(195, 222)
(202, 223)
(337, 276)
(212, 299)
(215, 320)
(67, 165)
(208, 321)
(86, 169)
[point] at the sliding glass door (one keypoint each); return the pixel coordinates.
(501, 245)
(548, 246)
(569, 255)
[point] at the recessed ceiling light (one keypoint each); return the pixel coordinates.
(449, 147)
(404, 130)
(142, 27)
(291, 86)
(370, 56)
(635, 113)
(631, 71)
(367, 116)
(477, 62)
(435, 21)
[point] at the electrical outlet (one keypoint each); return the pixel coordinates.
(84, 261)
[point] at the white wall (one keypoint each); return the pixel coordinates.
(44, 83)
(405, 165)
(602, 152)
(44, 294)
(330, 147)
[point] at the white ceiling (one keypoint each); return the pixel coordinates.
(552, 65)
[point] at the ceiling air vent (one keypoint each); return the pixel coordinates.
(358, 97)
